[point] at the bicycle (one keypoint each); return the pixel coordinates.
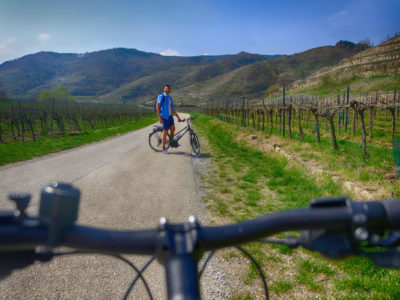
(155, 140)
(334, 227)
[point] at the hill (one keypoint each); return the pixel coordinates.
(92, 73)
(374, 69)
(128, 75)
(98, 73)
(228, 78)
(253, 81)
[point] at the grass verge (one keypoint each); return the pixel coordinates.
(245, 182)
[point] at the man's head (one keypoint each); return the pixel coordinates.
(167, 89)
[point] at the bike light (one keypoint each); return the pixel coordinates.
(59, 205)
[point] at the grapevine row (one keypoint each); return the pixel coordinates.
(336, 112)
(29, 121)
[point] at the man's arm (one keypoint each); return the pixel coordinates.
(176, 114)
(158, 108)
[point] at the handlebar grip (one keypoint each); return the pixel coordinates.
(392, 208)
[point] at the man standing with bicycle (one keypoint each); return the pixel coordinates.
(165, 111)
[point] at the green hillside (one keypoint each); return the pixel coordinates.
(130, 76)
(97, 73)
(253, 81)
(376, 69)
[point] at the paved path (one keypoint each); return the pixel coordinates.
(124, 185)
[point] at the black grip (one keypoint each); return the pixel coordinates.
(392, 208)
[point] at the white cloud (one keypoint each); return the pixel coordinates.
(170, 52)
(5, 46)
(43, 37)
(205, 54)
(339, 15)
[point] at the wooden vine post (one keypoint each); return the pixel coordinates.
(263, 118)
(271, 117)
(329, 115)
(299, 123)
(253, 119)
(290, 120)
(283, 111)
(347, 109)
(315, 113)
(21, 120)
(353, 130)
(371, 116)
(360, 107)
(393, 111)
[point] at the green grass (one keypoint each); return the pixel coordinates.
(348, 159)
(251, 167)
(17, 151)
(265, 182)
(333, 85)
(282, 286)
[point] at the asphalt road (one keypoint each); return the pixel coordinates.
(124, 185)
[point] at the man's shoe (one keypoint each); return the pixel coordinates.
(174, 144)
(165, 151)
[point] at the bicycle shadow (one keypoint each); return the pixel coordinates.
(202, 155)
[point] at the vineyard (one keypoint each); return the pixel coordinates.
(30, 121)
(369, 117)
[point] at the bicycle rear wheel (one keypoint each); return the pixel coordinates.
(155, 141)
(195, 143)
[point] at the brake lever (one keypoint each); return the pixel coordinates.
(329, 244)
(387, 259)
(392, 240)
(290, 241)
(390, 258)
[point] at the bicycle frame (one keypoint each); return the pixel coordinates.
(178, 135)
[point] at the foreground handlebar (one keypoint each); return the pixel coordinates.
(299, 219)
(335, 227)
(373, 216)
(129, 242)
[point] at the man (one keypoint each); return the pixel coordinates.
(165, 111)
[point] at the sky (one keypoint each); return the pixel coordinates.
(191, 27)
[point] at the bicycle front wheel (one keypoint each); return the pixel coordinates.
(194, 141)
(155, 141)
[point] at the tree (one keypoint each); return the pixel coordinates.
(60, 94)
(366, 42)
(363, 45)
(284, 79)
(45, 95)
(345, 45)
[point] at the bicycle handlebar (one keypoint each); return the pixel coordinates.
(211, 237)
(334, 227)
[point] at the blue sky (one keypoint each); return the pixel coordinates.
(189, 27)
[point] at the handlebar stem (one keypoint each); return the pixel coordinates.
(177, 250)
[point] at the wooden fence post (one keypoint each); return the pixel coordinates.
(21, 121)
(347, 109)
(283, 110)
